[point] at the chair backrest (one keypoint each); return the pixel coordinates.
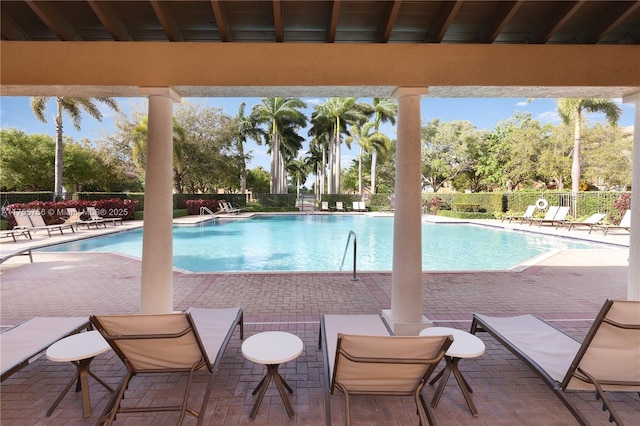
(325, 205)
(551, 213)
(529, 212)
(362, 205)
(595, 218)
(150, 343)
(22, 219)
(386, 364)
(562, 213)
(339, 205)
(626, 219)
(93, 213)
(610, 353)
(356, 205)
(36, 218)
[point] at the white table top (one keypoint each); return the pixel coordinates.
(78, 346)
(465, 345)
(272, 347)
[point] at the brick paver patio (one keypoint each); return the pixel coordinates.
(567, 288)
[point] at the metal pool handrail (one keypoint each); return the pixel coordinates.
(355, 247)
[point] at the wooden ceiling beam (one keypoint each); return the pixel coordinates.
(167, 20)
(562, 12)
(53, 19)
(503, 14)
(110, 19)
(333, 25)
(10, 30)
(391, 20)
(221, 20)
(443, 20)
(277, 21)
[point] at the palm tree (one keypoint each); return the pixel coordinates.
(73, 107)
(384, 111)
(298, 169)
(342, 112)
(361, 136)
(245, 128)
(279, 114)
(571, 110)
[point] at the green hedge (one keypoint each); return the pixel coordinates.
(466, 215)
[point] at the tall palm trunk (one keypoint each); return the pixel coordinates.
(575, 164)
(59, 166)
(360, 173)
(374, 163)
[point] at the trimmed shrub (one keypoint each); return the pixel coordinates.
(193, 206)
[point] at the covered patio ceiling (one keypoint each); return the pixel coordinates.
(205, 48)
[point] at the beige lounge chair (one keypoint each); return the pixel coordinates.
(625, 223)
(607, 360)
(555, 216)
(591, 221)
(168, 343)
(26, 342)
(324, 206)
(74, 218)
(362, 358)
(339, 206)
(94, 216)
(528, 214)
(13, 233)
(32, 220)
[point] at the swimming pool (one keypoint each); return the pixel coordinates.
(317, 243)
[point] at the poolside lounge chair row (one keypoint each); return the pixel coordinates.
(31, 220)
(357, 206)
(146, 344)
(555, 215)
(361, 356)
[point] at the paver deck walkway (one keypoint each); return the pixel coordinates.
(567, 288)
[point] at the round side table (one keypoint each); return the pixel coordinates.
(79, 349)
(465, 345)
(272, 348)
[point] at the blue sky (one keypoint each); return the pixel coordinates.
(484, 113)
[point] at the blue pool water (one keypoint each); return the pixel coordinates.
(317, 243)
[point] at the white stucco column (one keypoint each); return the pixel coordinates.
(156, 290)
(633, 288)
(405, 316)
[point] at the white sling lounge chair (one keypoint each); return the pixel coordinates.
(362, 358)
(24, 343)
(607, 360)
(168, 343)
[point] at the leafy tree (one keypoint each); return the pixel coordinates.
(210, 149)
(140, 139)
(258, 180)
(79, 166)
(26, 161)
(517, 146)
(73, 107)
(570, 110)
(607, 156)
(554, 163)
(282, 117)
(445, 153)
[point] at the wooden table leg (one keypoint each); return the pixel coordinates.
(261, 389)
(452, 366)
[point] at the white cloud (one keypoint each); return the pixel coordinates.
(549, 117)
